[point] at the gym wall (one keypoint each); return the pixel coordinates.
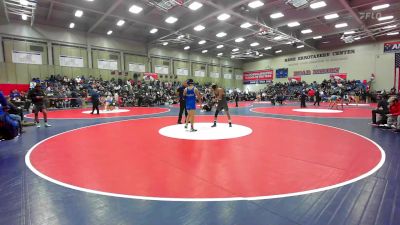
(367, 59)
(54, 42)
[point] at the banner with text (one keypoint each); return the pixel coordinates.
(258, 77)
(392, 47)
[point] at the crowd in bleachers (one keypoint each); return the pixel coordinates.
(64, 92)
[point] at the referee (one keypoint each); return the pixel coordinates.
(182, 103)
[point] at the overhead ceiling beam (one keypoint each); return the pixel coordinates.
(253, 21)
(219, 11)
(107, 13)
(50, 11)
(356, 17)
(5, 10)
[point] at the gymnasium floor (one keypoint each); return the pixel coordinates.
(277, 167)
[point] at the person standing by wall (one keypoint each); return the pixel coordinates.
(38, 100)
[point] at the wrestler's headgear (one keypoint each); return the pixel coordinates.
(213, 86)
(190, 81)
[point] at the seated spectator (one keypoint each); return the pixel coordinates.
(382, 109)
(394, 114)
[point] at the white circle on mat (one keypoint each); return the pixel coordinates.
(205, 131)
(318, 110)
(109, 111)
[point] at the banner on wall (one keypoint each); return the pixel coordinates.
(228, 76)
(258, 77)
(392, 47)
(71, 61)
(199, 73)
(294, 79)
(161, 69)
(239, 77)
(106, 64)
(214, 74)
(135, 67)
(150, 76)
(182, 72)
(282, 73)
(338, 76)
(27, 57)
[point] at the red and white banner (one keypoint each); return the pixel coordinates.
(150, 76)
(258, 77)
(295, 79)
(339, 76)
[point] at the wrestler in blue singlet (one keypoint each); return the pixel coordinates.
(190, 99)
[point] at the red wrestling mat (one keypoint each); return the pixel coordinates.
(85, 113)
(230, 105)
(347, 112)
(131, 159)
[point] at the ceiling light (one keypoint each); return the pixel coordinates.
(89, 0)
(135, 9)
(349, 32)
(195, 6)
(317, 37)
(109, 32)
(254, 44)
(24, 17)
(220, 46)
(392, 33)
(71, 25)
(204, 51)
(385, 18)
(78, 13)
(120, 23)
(357, 38)
(219, 54)
(238, 40)
(171, 19)
(307, 31)
(24, 2)
(235, 50)
(255, 4)
(246, 25)
(289, 43)
(165, 43)
(318, 5)
(261, 55)
(378, 7)
(232, 56)
(300, 46)
(293, 24)
(278, 38)
(325, 42)
(279, 51)
(331, 16)
(341, 25)
(276, 15)
(153, 31)
(187, 48)
(390, 27)
(221, 34)
(199, 28)
(223, 16)
(268, 48)
(181, 36)
(202, 42)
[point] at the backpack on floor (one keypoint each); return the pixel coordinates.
(9, 128)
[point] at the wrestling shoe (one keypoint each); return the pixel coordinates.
(38, 125)
(186, 126)
(230, 124)
(193, 130)
(214, 125)
(47, 125)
